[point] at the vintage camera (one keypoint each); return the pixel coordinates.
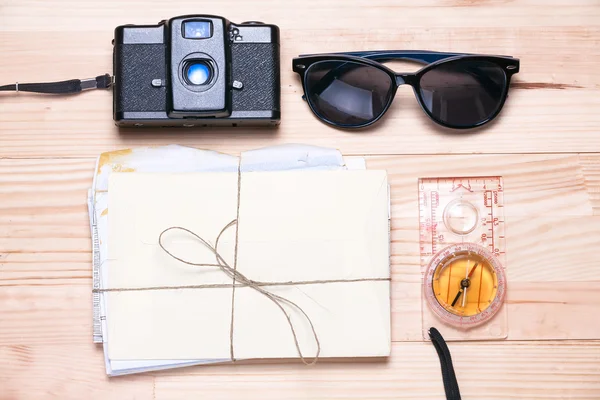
(196, 70)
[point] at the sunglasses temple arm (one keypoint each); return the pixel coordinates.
(423, 57)
(420, 56)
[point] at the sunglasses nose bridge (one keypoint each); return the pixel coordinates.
(405, 79)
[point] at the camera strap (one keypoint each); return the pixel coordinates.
(62, 87)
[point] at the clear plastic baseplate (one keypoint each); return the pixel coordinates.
(467, 213)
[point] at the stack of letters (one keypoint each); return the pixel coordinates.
(202, 257)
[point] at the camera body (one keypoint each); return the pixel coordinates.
(196, 70)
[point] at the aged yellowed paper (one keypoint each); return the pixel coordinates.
(293, 226)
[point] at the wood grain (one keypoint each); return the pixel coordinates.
(550, 211)
(552, 106)
(67, 371)
(516, 370)
(549, 371)
(546, 144)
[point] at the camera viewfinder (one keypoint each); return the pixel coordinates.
(197, 29)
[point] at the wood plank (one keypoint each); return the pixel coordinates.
(45, 258)
(542, 51)
(492, 371)
(549, 370)
(58, 311)
(68, 15)
(533, 121)
(70, 371)
(552, 107)
(55, 311)
(536, 311)
(542, 192)
(591, 171)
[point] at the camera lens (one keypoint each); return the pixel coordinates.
(198, 72)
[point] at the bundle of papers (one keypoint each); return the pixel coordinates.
(305, 231)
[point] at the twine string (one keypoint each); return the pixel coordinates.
(235, 255)
(240, 280)
(244, 281)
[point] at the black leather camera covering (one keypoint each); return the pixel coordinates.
(251, 62)
(135, 68)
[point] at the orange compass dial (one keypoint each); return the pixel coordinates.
(465, 284)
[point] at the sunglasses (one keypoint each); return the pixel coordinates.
(354, 90)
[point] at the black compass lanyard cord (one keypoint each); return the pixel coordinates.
(448, 376)
(63, 87)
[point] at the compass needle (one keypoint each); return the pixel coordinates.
(464, 283)
(472, 270)
(457, 296)
(468, 283)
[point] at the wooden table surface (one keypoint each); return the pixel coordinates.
(546, 145)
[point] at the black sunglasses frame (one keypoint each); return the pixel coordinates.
(301, 65)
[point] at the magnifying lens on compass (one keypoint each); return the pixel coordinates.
(461, 216)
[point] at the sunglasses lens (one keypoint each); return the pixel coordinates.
(463, 93)
(347, 93)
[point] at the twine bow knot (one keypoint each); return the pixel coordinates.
(240, 280)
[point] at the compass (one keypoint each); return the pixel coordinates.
(465, 285)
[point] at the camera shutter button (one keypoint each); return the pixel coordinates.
(253, 23)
